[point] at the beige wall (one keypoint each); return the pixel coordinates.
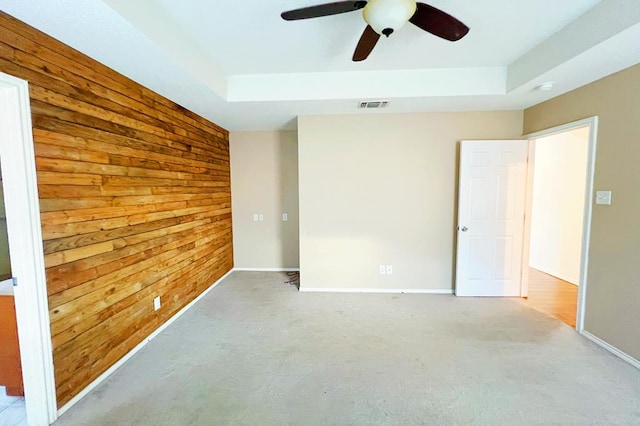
(613, 286)
(264, 180)
(381, 190)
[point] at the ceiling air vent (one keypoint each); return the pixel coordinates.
(373, 104)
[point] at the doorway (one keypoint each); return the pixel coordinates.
(25, 238)
(12, 407)
(491, 197)
(557, 222)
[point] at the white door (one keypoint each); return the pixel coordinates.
(491, 206)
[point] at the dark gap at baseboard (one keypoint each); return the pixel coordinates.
(294, 279)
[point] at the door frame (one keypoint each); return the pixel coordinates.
(23, 215)
(592, 124)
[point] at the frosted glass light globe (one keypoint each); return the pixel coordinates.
(388, 15)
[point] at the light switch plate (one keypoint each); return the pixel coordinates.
(156, 303)
(383, 269)
(255, 217)
(603, 197)
(285, 217)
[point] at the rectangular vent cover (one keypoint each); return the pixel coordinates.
(373, 104)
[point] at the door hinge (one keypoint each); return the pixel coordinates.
(15, 281)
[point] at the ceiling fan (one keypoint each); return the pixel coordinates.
(383, 17)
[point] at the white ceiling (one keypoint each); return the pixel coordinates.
(240, 65)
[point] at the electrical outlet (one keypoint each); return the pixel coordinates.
(382, 269)
(389, 269)
(156, 303)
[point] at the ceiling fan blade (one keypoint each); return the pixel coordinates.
(438, 23)
(366, 44)
(323, 10)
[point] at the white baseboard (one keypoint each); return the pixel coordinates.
(267, 269)
(133, 351)
(631, 360)
(374, 290)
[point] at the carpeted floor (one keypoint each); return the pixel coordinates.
(255, 351)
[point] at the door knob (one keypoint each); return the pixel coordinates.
(464, 229)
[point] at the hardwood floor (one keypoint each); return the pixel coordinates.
(553, 296)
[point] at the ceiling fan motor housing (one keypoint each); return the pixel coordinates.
(387, 16)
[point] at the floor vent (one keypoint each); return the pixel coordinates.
(373, 104)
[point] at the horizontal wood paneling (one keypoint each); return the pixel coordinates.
(135, 202)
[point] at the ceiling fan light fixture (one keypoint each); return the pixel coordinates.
(384, 17)
(387, 16)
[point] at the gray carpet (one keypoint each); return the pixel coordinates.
(255, 351)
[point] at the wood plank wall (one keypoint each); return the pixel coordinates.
(135, 202)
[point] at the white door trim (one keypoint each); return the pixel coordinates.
(23, 216)
(592, 123)
(526, 239)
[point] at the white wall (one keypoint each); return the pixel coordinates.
(381, 189)
(560, 172)
(264, 180)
